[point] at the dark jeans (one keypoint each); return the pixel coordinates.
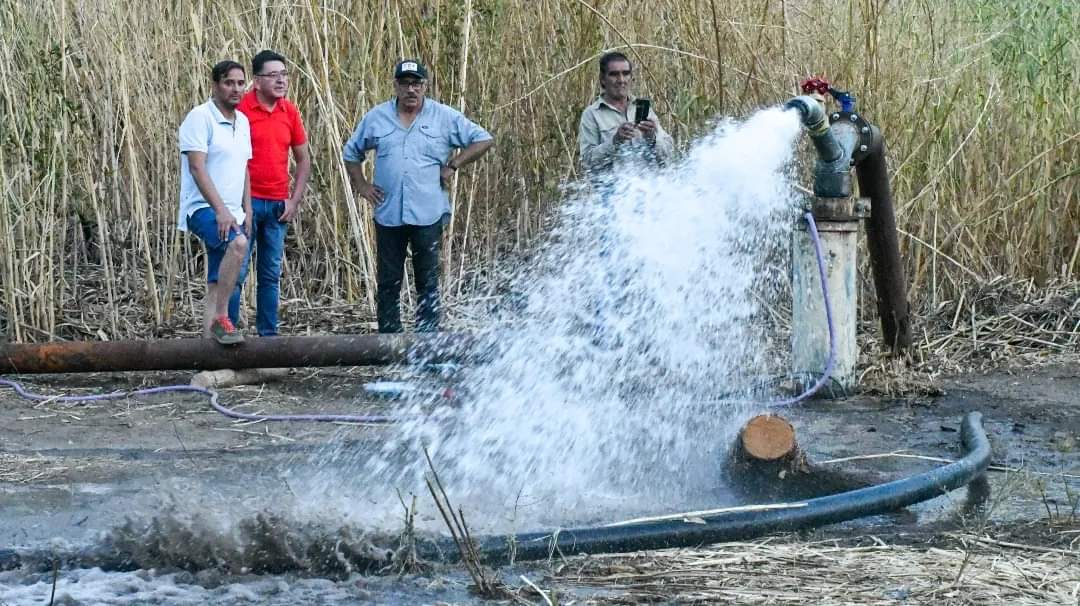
(268, 236)
(392, 243)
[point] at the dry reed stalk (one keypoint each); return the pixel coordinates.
(483, 582)
(96, 154)
(463, 75)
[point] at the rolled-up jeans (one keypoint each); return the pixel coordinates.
(268, 237)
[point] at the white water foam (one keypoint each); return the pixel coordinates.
(642, 310)
(93, 587)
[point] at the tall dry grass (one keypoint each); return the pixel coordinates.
(977, 98)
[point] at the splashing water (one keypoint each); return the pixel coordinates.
(640, 313)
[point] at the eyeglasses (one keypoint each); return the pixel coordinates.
(407, 84)
(282, 75)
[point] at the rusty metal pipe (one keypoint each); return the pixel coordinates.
(205, 354)
(883, 244)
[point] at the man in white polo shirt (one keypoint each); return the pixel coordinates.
(215, 196)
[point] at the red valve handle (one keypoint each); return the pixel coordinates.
(815, 85)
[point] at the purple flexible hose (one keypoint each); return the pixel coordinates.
(831, 362)
(228, 412)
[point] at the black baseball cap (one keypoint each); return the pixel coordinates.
(410, 67)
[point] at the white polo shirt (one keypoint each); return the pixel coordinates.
(227, 145)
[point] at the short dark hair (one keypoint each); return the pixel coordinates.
(222, 69)
(607, 58)
(264, 57)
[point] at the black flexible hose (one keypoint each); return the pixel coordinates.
(742, 525)
(718, 528)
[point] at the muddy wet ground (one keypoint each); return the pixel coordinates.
(69, 473)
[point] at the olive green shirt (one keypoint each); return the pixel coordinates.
(596, 135)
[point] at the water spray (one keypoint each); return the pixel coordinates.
(572, 413)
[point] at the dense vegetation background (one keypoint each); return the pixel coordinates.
(977, 100)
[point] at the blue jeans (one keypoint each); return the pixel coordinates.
(268, 236)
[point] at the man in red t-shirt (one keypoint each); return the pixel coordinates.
(276, 129)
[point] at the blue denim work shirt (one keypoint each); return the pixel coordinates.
(408, 161)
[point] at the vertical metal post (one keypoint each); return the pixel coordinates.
(838, 221)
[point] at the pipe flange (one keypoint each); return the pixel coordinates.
(839, 209)
(868, 135)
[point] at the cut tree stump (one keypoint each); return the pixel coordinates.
(766, 464)
(768, 438)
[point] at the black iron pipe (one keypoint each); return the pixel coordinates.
(205, 354)
(883, 244)
(743, 525)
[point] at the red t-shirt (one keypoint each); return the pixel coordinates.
(273, 134)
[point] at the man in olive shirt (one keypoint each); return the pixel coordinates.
(607, 131)
(609, 136)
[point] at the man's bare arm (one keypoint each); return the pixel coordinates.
(471, 153)
(302, 155)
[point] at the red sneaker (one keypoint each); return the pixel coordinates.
(224, 332)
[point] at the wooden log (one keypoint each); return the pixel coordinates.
(216, 379)
(768, 438)
(766, 464)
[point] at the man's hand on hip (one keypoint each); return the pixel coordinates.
(372, 193)
(225, 222)
(445, 175)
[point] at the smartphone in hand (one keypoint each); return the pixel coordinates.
(641, 110)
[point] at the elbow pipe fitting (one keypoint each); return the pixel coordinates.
(811, 112)
(832, 174)
(848, 140)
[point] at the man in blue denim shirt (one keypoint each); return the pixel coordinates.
(412, 137)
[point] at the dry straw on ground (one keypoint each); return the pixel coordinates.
(27, 469)
(1000, 323)
(767, 572)
(1003, 319)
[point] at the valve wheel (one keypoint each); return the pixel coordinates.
(815, 85)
